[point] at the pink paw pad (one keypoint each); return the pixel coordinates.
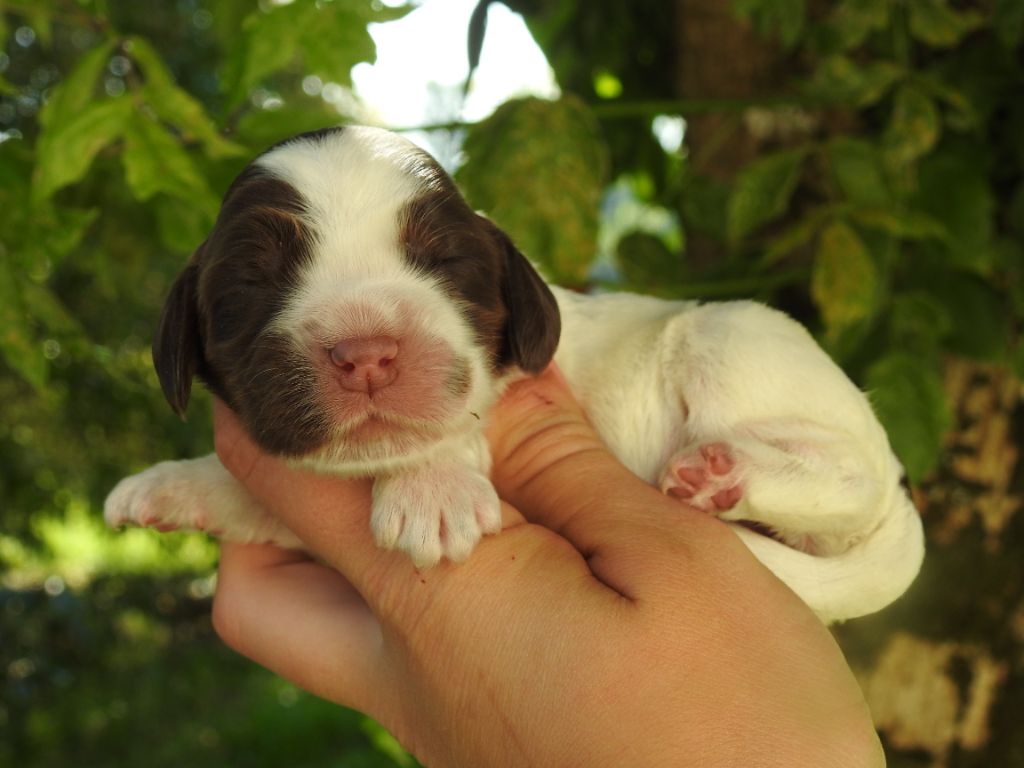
(702, 478)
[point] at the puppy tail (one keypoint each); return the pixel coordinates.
(863, 579)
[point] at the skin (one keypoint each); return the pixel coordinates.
(607, 625)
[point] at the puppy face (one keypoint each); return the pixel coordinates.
(350, 306)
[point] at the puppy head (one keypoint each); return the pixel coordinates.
(349, 305)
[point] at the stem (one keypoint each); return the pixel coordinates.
(624, 110)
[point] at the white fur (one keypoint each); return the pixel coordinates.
(659, 380)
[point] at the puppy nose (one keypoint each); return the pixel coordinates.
(366, 365)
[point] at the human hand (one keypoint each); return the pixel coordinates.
(607, 625)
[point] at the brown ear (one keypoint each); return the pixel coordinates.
(177, 347)
(534, 324)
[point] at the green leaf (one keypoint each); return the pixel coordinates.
(18, 345)
(56, 232)
(935, 23)
(1008, 22)
(787, 17)
(845, 280)
(538, 169)
(76, 91)
(901, 224)
(954, 188)
(962, 114)
(763, 190)
(269, 42)
(330, 36)
(794, 238)
(41, 17)
(646, 262)
(853, 20)
(913, 128)
(705, 205)
(264, 127)
(981, 318)
(341, 42)
(839, 79)
(919, 321)
(907, 394)
(856, 167)
(176, 106)
(67, 149)
(49, 312)
(154, 161)
(183, 225)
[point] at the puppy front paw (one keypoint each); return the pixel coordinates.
(436, 511)
(704, 477)
(193, 495)
(160, 497)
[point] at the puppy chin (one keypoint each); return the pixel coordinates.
(380, 445)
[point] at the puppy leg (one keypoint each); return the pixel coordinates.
(773, 433)
(809, 486)
(194, 494)
(438, 509)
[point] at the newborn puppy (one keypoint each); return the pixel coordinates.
(361, 320)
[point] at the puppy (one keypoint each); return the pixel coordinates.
(361, 320)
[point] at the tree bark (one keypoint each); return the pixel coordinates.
(720, 56)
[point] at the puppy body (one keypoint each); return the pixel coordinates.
(733, 407)
(362, 320)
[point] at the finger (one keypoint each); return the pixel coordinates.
(300, 619)
(551, 464)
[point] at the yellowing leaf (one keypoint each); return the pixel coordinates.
(538, 169)
(935, 23)
(853, 20)
(844, 281)
(839, 78)
(913, 128)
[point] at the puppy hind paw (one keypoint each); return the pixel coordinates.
(704, 478)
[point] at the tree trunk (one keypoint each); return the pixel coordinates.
(719, 56)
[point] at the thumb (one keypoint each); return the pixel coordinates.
(536, 426)
(550, 463)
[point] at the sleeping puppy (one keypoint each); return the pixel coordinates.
(361, 320)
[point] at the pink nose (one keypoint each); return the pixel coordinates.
(366, 365)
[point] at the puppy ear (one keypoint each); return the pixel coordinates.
(534, 324)
(177, 347)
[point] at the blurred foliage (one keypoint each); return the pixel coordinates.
(122, 124)
(885, 210)
(563, 176)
